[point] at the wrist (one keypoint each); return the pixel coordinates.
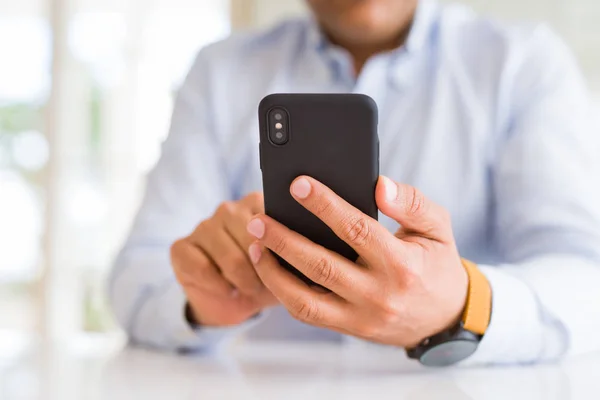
(460, 341)
(454, 304)
(460, 298)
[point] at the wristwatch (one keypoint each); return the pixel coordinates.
(460, 341)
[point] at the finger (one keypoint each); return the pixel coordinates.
(235, 225)
(225, 253)
(412, 210)
(255, 202)
(193, 268)
(364, 234)
(307, 304)
(320, 265)
(303, 302)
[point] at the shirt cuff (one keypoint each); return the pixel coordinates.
(174, 331)
(515, 332)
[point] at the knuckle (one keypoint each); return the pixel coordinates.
(204, 227)
(254, 202)
(372, 295)
(279, 245)
(226, 208)
(179, 255)
(323, 271)
(415, 202)
(183, 280)
(323, 207)
(411, 276)
(356, 231)
(369, 331)
(391, 310)
(255, 198)
(176, 249)
(304, 310)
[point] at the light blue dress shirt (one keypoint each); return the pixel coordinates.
(491, 121)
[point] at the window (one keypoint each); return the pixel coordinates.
(72, 160)
(24, 153)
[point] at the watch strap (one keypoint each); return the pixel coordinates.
(478, 308)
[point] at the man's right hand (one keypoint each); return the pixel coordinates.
(213, 267)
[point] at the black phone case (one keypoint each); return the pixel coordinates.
(332, 138)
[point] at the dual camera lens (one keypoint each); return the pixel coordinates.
(279, 127)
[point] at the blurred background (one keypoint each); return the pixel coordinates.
(86, 91)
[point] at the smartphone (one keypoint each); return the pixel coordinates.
(330, 137)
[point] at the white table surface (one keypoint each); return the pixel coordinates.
(265, 371)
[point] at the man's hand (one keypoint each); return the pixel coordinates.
(213, 267)
(404, 288)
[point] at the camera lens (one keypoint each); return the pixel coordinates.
(278, 117)
(279, 137)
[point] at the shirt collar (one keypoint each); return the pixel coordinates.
(405, 64)
(417, 39)
(422, 25)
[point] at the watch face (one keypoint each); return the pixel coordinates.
(448, 353)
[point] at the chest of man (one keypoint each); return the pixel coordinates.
(430, 137)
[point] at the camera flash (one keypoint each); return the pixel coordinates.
(278, 125)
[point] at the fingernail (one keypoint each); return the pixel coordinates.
(256, 228)
(391, 189)
(301, 188)
(255, 252)
(235, 293)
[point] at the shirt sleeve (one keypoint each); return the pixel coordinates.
(185, 187)
(545, 297)
(547, 210)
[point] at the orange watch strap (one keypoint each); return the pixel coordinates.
(478, 309)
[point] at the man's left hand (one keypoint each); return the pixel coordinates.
(403, 289)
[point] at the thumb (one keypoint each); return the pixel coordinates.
(412, 210)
